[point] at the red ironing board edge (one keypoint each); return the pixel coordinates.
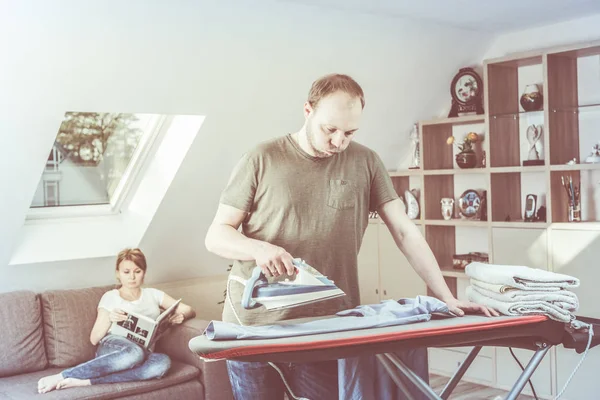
(372, 338)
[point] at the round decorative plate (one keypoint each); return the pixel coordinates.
(469, 203)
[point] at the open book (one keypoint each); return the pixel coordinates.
(307, 286)
(143, 330)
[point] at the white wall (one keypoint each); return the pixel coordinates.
(564, 33)
(247, 68)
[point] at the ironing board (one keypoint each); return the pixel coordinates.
(537, 333)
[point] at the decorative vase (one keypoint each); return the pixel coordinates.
(466, 159)
(532, 99)
(447, 208)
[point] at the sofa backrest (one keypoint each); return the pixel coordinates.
(69, 316)
(21, 334)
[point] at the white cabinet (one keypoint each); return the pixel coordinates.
(397, 277)
(513, 246)
(577, 253)
(368, 266)
(383, 270)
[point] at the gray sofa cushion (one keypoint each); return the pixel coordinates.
(21, 341)
(69, 316)
(22, 387)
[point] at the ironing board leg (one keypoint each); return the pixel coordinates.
(414, 378)
(529, 370)
(459, 373)
(394, 375)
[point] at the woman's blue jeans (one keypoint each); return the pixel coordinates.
(120, 360)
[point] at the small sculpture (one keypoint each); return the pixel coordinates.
(412, 204)
(534, 135)
(594, 157)
(414, 137)
(447, 208)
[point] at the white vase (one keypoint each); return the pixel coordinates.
(447, 208)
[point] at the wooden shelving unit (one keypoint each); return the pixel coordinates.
(571, 126)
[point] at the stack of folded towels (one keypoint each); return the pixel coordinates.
(520, 290)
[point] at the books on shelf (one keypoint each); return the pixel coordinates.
(143, 330)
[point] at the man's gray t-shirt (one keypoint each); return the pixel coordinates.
(317, 209)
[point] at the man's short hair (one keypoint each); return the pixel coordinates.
(332, 83)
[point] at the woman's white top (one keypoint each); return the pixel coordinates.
(148, 304)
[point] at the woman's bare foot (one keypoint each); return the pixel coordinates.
(48, 383)
(72, 382)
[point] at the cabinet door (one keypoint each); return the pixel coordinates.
(528, 247)
(368, 266)
(576, 253)
(398, 278)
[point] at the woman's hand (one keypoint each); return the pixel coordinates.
(176, 318)
(117, 315)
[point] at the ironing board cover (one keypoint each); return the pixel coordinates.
(469, 330)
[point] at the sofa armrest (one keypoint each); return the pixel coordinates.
(213, 374)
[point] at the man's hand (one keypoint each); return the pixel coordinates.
(274, 260)
(176, 319)
(460, 307)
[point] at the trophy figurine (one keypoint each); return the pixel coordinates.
(414, 137)
(594, 157)
(534, 136)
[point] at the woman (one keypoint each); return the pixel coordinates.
(119, 359)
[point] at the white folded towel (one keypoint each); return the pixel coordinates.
(519, 307)
(562, 298)
(520, 277)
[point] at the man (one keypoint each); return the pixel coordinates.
(308, 195)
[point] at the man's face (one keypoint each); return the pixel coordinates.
(331, 126)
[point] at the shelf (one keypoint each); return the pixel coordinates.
(380, 221)
(576, 109)
(454, 171)
(467, 119)
(577, 226)
(503, 170)
(406, 172)
(456, 222)
(450, 272)
(519, 114)
(575, 167)
(520, 224)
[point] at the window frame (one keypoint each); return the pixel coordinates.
(122, 191)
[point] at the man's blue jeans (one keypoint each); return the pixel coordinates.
(260, 381)
(120, 360)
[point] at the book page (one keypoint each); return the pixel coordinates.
(162, 323)
(136, 328)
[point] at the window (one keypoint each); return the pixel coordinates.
(51, 193)
(92, 160)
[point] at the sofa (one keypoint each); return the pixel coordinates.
(44, 333)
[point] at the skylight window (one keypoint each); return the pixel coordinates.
(92, 161)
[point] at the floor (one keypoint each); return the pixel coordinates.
(470, 391)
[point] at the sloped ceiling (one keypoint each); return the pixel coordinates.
(481, 16)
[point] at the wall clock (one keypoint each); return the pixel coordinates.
(466, 90)
(469, 203)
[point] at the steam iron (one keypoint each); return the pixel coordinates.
(309, 286)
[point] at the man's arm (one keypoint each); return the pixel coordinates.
(224, 239)
(411, 242)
